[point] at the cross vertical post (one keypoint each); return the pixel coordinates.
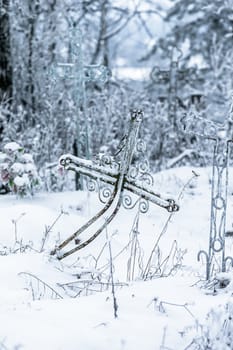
(79, 74)
(172, 77)
(194, 124)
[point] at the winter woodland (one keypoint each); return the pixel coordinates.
(116, 177)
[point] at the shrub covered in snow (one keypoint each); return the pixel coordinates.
(17, 170)
(217, 333)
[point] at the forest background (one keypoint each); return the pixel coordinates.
(131, 40)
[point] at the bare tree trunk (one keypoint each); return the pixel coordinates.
(102, 43)
(5, 51)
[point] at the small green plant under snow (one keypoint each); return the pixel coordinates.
(17, 170)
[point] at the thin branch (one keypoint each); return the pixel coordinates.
(147, 269)
(44, 284)
(121, 27)
(115, 306)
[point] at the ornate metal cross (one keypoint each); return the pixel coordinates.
(194, 124)
(172, 77)
(122, 176)
(79, 74)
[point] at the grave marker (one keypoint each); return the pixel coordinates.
(221, 135)
(122, 176)
(79, 74)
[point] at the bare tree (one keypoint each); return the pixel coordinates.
(5, 51)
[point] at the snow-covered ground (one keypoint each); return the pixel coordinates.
(68, 304)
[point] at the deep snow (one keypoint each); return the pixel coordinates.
(151, 313)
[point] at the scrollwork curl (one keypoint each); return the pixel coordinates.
(141, 146)
(127, 202)
(143, 205)
(105, 159)
(109, 161)
(104, 194)
(132, 173)
(91, 185)
(143, 166)
(115, 166)
(147, 179)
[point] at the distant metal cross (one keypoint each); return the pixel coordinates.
(122, 176)
(79, 74)
(172, 77)
(222, 136)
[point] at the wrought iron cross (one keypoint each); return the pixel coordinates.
(194, 124)
(122, 176)
(79, 73)
(172, 77)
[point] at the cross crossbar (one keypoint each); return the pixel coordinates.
(75, 69)
(94, 72)
(110, 176)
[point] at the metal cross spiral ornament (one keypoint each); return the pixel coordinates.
(221, 135)
(124, 177)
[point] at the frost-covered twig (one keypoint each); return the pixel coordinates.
(105, 266)
(45, 286)
(162, 346)
(186, 153)
(100, 253)
(164, 229)
(115, 305)
(15, 222)
(159, 305)
(147, 269)
(216, 333)
(49, 228)
(134, 249)
(175, 256)
(88, 286)
(185, 306)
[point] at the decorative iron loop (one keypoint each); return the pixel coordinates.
(107, 160)
(132, 173)
(104, 194)
(225, 261)
(91, 185)
(143, 206)
(219, 202)
(173, 206)
(147, 179)
(217, 245)
(207, 258)
(143, 166)
(202, 252)
(141, 146)
(127, 202)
